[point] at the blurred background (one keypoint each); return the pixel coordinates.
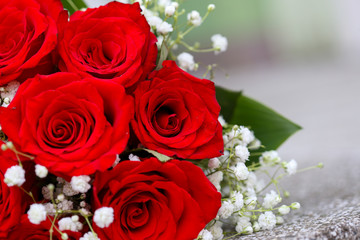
(301, 58)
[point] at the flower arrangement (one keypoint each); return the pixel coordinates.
(105, 135)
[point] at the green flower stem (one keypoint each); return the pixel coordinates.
(89, 224)
(52, 226)
(197, 50)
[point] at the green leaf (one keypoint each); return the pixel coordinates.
(269, 127)
(73, 5)
(161, 157)
(164, 52)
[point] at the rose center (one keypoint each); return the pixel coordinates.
(166, 122)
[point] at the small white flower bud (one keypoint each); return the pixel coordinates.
(169, 11)
(295, 205)
(283, 210)
(104, 216)
(226, 209)
(89, 236)
(194, 18)
(41, 171)
(214, 163)
(64, 236)
(211, 7)
(220, 43)
(175, 4)
(256, 227)
(10, 145)
(75, 218)
(279, 220)
(7, 100)
(51, 187)
(291, 167)
(14, 176)
(80, 183)
(186, 61)
(4, 147)
(61, 197)
(164, 28)
(37, 213)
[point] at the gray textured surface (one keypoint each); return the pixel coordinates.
(339, 219)
(324, 99)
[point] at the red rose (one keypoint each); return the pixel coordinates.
(154, 200)
(110, 42)
(29, 231)
(177, 114)
(28, 34)
(72, 126)
(12, 204)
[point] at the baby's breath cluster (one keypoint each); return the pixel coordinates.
(166, 19)
(65, 204)
(251, 202)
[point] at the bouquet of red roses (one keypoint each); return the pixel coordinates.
(124, 143)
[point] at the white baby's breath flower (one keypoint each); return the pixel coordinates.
(134, 158)
(164, 3)
(80, 183)
(217, 231)
(256, 227)
(67, 223)
(237, 199)
(211, 7)
(283, 210)
(242, 153)
(213, 163)
(279, 220)
(154, 21)
(271, 199)
(295, 205)
(36, 213)
(267, 221)
(170, 10)
(14, 176)
(291, 167)
(242, 224)
(186, 61)
(164, 28)
(241, 171)
(75, 218)
(205, 235)
(104, 216)
(216, 178)
(175, 4)
(270, 157)
(60, 197)
(89, 236)
(226, 209)
(41, 171)
(194, 18)
(220, 43)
